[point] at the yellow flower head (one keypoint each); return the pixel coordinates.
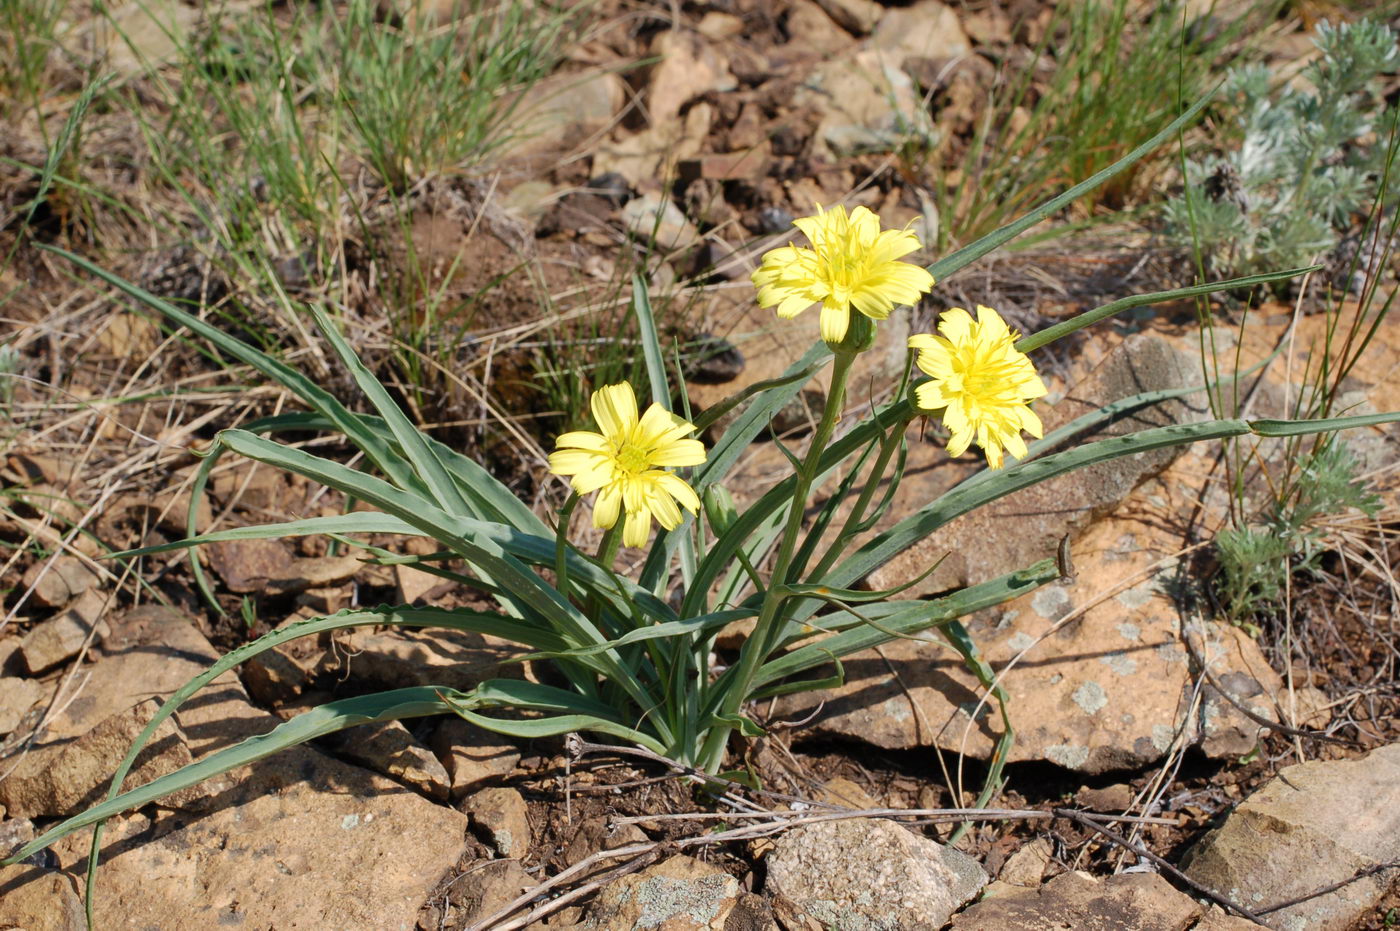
(981, 382)
(852, 263)
(627, 462)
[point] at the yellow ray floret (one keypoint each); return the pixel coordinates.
(627, 462)
(852, 263)
(981, 382)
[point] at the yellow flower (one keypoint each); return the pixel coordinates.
(627, 463)
(981, 382)
(852, 263)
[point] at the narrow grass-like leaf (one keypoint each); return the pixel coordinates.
(379, 452)
(334, 716)
(973, 251)
(1048, 335)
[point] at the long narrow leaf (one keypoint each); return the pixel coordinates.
(335, 716)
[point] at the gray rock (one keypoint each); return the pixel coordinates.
(17, 696)
(400, 659)
(1315, 824)
(867, 875)
(679, 894)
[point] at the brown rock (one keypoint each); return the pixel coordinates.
(268, 566)
(679, 894)
(847, 794)
(56, 583)
(728, 166)
(870, 873)
(857, 17)
(399, 659)
(473, 756)
(1337, 817)
(865, 103)
(387, 747)
(688, 67)
(598, 834)
(1126, 902)
(927, 29)
(1027, 866)
(39, 900)
(813, 32)
(61, 637)
(486, 887)
(61, 779)
(17, 696)
(501, 816)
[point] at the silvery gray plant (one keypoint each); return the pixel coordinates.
(1303, 162)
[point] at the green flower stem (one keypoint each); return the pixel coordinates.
(770, 622)
(882, 462)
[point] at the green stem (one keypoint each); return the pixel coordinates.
(761, 642)
(872, 484)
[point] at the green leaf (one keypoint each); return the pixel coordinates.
(334, 716)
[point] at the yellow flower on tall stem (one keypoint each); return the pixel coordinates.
(981, 382)
(852, 263)
(627, 463)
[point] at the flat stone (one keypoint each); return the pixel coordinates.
(17, 696)
(927, 29)
(564, 109)
(57, 583)
(1026, 867)
(387, 747)
(473, 756)
(1126, 902)
(61, 779)
(500, 814)
(1337, 817)
(857, 17)
(1111, 690)
(688, 67)
(297, 840)
(486, 887)
(870, 874)
(59, 639)
(656, 219)
(974, 548)
(268, 566)
(45, 900)
(400, 659)
(865, 104)
(679, 894)
(727, 166)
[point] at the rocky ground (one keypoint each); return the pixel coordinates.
(1171, 770)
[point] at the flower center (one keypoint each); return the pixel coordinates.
(633, 459)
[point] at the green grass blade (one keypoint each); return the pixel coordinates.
(408, 437)
(970, 253)
(1048, 335)
(379, 452)
(329, 718)
(651, 343)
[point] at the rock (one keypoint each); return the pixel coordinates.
(56, 583)
(1114, 798)
(61, 637)
(1109, 691)
(387, 747)
(812, 31)
(927, 29)
(657, 220)
(39, 900)
(268, 566)
(298, 839)
(17, 696)
(484, 888)
(598, 834)
(715, 25)
(975, 549)
(1337, 817)
(414, 585)
(501, 816)
(1027, 866)
(726, 166)
(644, 157)
(688, 68)
(398, 659)
(134, 36)
(1126, 902)
(679, 894)
(870, 874)
(283, 673)
(472, 756)
(14, 833)
(250, 485)
(563, 109)
(61, 779)
(857, 17)
(864, 101)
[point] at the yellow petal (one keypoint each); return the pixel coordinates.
(835, 321)
(676, 487)
(679, 453)
(615, 409)
(582, 439)
(637, 528)
(607, 507)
